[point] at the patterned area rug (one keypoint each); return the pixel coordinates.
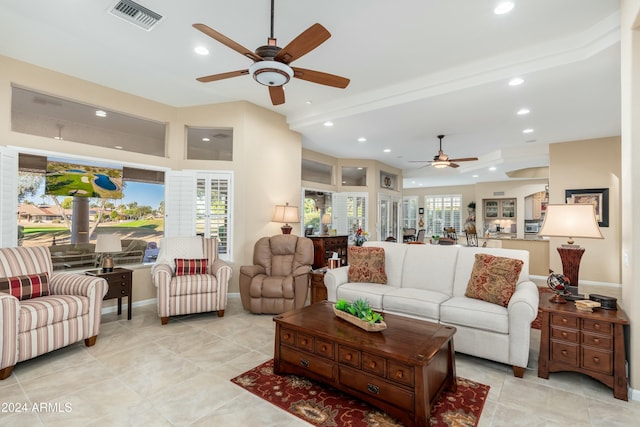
(324, 406)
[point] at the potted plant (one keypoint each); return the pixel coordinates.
(360, 314)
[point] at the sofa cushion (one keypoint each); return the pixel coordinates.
(27, 286)
(45, 311)
(393, 260)
(366, 265)
(475, 313)
(414, 302)
(372, 292)
(493, 279)
(430, 267)
(185, 267)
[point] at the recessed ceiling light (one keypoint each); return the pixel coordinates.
(201, 50)
(59, 138)
(206, 139)
(387, 150)
(523, 111)
(360, 168)
(362, 139)
(503, 7)
(474, 176)
(308, 102)
(493, 168)
(344, 182)
(528, 130)
(516, 81)
(101, 113)
(118, 147)
(328, 124)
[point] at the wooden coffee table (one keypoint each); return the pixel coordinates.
(401, 370)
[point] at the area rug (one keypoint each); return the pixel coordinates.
(325, 406)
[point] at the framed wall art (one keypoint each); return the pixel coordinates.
(599, 197)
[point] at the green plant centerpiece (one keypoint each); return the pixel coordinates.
(359, 313)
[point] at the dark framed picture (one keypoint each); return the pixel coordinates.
(420, 211)
(599, 197)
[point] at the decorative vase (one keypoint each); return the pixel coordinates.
(358, 240)
(362, 324)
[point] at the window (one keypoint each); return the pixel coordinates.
(442, 211)
(209, 143)
(350, 213)
(410, 212)
(354, 176)
(317, 172)
(212, 209)
(45, 219)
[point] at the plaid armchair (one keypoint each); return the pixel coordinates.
(42, 311)
(189, 277)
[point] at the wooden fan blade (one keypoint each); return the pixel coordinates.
(308, 40)
(464, 159)
(227, 41)
(453, 165)
(320, 77)
(277, 95)
(221, 76)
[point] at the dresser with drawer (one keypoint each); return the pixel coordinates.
(591, 343)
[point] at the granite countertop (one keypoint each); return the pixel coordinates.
(508, 236)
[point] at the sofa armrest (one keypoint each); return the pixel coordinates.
(9, 311)
(62, 283)
(161, 274)
(252, 270)
(220, 268)
(334, 278)
(523, 309)
(301, 271)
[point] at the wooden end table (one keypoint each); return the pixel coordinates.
(318, 289)
(401, 370)
(120, 282)
(591, 343)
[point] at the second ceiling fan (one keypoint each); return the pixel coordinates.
(271, 63)
(441, 160)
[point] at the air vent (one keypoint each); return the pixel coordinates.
(138, 15)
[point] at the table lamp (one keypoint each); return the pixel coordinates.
(286, 214)
(108, 244)
(571, 220)
(326, 220)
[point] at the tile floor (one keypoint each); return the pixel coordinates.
(142, 373)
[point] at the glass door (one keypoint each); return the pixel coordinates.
(389, 214)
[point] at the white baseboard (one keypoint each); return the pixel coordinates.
(151, 301)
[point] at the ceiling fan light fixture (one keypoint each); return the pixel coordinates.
(440, 164)
(271, 73)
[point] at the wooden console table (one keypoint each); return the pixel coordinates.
(591, 343)
(120, 282)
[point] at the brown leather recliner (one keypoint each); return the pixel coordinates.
(279, 279)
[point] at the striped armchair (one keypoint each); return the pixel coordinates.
(42, 310)
(189, 277)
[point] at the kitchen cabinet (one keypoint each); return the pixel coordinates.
(535, 205)
(499, 208)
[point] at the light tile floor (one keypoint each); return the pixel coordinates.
(142, 373)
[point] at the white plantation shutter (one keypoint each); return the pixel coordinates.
(179, 204)
(350, 211)
(8, 198)
(442, 211)
(213, 209)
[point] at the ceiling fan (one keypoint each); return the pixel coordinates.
(271, 63)
(442, 160)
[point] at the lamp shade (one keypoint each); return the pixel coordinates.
(286, 214)
(326, 219)
(108, 243)
(571, 220)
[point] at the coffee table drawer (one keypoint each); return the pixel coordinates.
(374, 364)
(324, 348)
(349, 356)
(377, 388)
(309, 362)
(287, 336)
(401, 373)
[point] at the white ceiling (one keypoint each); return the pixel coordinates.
(418, 68)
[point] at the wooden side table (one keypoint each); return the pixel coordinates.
(318, 290)
(591, 343)
(120, 282)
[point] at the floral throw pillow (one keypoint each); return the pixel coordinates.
(366, 264)
(494, 279)
(26, 287)
(185, 267)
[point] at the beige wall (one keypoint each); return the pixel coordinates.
(630, 83)
(593, 163)
(267, 155)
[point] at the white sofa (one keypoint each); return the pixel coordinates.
(429, 282)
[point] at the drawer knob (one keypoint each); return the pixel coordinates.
(286, 336)
(596, 340)
(373, 388)
(304, 363)
(564, 320)
(123, 292)
(400, 374)
(324, 348)
(564, 352)
(596, 360)
(372, 364)
(564, 334)
(304, 341)
(596, 325)
(348, 356)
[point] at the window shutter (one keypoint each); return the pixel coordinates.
(8, 198)
(179, 204)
